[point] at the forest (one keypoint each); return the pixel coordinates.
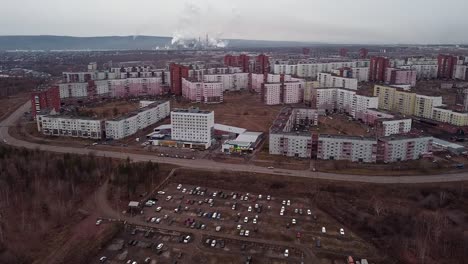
(41, 194)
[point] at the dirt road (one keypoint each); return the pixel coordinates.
(217, 166)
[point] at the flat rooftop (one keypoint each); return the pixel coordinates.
(133, 113)
(191, 110)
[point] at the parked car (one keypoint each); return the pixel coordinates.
(160, 246)
(342, 231)
(286, 253)
(103, 259)
(324, 230)
(213, 243)
(247, 232)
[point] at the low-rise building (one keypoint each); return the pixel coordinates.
(356, 149)
(57, 125)
(403, 148)
(290, 135)
(129, 124)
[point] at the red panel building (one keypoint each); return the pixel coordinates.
(242, 61)
(446, 65)
(363, 53)
(306, 51)
(177, 73)
(262, 64)
(45, 99)
(344, 52)
(377, 69)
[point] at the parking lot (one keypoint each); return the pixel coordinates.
(233, 226)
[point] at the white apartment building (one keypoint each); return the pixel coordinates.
(460, 72)
(311, 70)
(360, 73)
(293, 92)
(424, 104)
(342, 100)
(128, 125)
(231, 82)
(424, 71)
(404, 148)
(192, 126)
(356, 149)
(256, 82)
(285, 69)
(69, 126)
(395, 126)
(272, 93)
(329, 80)
(73, 90)
(289, 134)
(202, 92)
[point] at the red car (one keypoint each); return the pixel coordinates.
(298, 235)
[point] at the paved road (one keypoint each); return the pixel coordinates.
(212, 165)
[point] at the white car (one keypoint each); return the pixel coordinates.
(286, 253)
(246, 219)
(213, 243)
(103, 259)
(184, 190)
(260, 196)
(158, 220)
(247, 232)
(168, 198)
(268, 198)
(254, 221)
(218, 228)
(241, 233)
(161, 245)
(309, 212)
(324, 230)
(187, 239)
(161, 192)
(233, 207)
(239, 227)
(284, 202)
(159, 209)
(282, 212)
(293, 221)
(98, 222)
(342, 231)
(153, 219)
(249, 209)
(289, 202)
(271, 167)
(179, 186)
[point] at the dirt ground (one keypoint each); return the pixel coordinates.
(340, 124)
(241, 109)
(110, 109)
(11, 103)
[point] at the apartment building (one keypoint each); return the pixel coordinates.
(46, 99)
(360, 73)
(395, 99)
(192, 126)
(290, 135)
(378, 67)
(355, 149)
(51, 125)
(231, 81)
(403, 148)
(202, 92)
(290, 69)
(424, 71)
(449, 116)
(461, 72)
(73, 90)
(394, 126)
(395, 76)
(129, 124)
(282, 89)
(342, 100)
(330, 80)
(424, 105)
(446, 66)
(309, 87)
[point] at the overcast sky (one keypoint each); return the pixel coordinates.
(332, 21)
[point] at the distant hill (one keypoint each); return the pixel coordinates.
(116, 43)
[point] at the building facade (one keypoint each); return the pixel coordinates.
(202, 92)
(133, 122)
(48, 99)
(192, 125)
(400, 76)
(330, 80)
(377, 69)
(70, 126)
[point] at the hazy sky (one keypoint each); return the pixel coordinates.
(333, 21)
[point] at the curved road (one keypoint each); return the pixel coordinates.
(213, 165)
